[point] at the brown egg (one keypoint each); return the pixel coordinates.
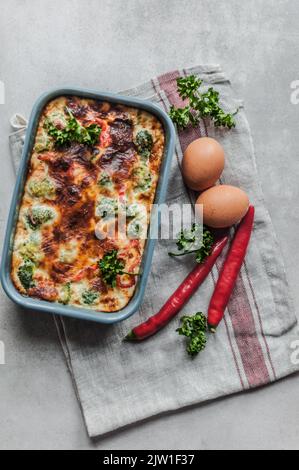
(222, 206)
(203, 163)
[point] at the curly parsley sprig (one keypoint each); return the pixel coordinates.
(194, 328)
(196, 241)
(111, 266)
(73, 132)
(200, 106)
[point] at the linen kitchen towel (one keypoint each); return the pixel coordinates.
(119, 383)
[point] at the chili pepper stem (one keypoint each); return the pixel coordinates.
(212, 329)
(130, 337)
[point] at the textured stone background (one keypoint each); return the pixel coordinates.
(114, 44)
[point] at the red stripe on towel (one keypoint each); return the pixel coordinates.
(239, 308)
(246, 336)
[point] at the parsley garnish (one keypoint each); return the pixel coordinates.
(191, 241)
(111, 266)
(200, 106)
(194, 328)
(73, 132)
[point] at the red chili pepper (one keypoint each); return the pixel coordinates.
(179, 297)
(230, 270)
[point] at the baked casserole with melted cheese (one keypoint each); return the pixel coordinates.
(92, 161)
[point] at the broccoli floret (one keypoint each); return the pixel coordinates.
(37, 216)
(25, 274)
(30, 251)
(143, 178)
(135, 229)
(68, 253)
(105, 180)
(132, 210)
(41, 188)
(89, 297)
(144, 143)
(107, 207)
(57, 118)
(65, 293)
(42, 141)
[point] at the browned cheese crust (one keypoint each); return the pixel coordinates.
(78, 187)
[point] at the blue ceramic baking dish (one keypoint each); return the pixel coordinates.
(56, 308)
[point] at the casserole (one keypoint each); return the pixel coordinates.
(6, 265)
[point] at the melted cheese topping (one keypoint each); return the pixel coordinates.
(72, 194)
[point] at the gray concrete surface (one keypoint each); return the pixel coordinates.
(113, 44)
